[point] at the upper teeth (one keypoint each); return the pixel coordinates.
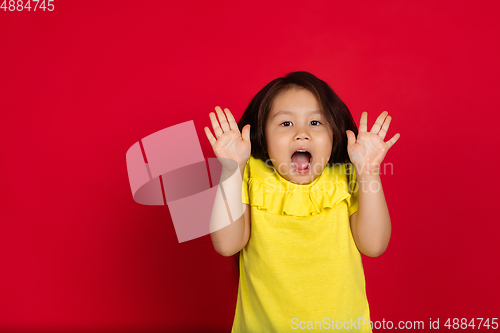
(302, 151)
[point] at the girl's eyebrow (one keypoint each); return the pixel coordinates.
(288, 112)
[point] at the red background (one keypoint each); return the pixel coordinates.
(81, 84)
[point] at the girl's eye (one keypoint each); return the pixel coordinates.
(313, 122)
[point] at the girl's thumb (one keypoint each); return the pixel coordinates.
(349, 137)
(245, 133)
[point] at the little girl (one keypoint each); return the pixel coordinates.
(301, 232)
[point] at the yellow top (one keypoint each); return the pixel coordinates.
(300, 268)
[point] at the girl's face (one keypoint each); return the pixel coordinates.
(295, 123)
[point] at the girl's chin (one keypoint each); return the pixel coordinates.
(301, 180)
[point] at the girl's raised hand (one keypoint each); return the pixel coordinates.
(368, 150)
(228, 142)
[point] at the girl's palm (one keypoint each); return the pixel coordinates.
(368, 150)
(228, 143)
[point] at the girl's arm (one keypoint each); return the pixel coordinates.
(230, 236)
(230, 220)
(371, 228)
(371, 224)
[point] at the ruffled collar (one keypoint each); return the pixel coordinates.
(273, 193)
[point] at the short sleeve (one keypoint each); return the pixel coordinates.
(244, 188)
(353, 189)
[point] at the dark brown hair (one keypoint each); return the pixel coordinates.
(338, 116)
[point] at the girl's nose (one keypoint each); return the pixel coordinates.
(302, 134)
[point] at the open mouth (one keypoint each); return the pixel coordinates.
(301, 161)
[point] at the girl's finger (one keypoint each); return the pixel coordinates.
(232, 123)
(393, 140)
(210, 136)
(363, 121)
(222, 119)
(378, 123)
(215, 124)
(385, 127)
